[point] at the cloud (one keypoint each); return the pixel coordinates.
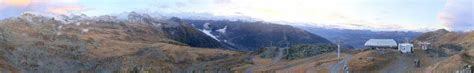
(458, 15)
(180, 4)
(358, 14)
(222, 1)
(11, 8)
(367, 14)
(65, 9)
(16, 3)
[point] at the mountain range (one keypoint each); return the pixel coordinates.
(135, 42)
(357, 38)
(254, 35)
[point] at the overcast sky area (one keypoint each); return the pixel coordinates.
(417, 15)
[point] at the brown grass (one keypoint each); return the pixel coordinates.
(316, 64)
(5, 66)
(453, 63)
(370, 61)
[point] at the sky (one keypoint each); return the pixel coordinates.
(416, 15)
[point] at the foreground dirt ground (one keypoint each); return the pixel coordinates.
(372, 61)
(316, 64)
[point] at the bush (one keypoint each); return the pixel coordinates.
(305, 50)
(296, 51)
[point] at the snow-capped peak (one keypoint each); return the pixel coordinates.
(33, 18)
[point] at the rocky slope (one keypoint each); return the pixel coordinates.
(441, 38)
(34, 43)
(458, 45)
(175, 29)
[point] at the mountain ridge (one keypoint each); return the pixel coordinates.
(357, 38)
(458, 46)
(254, 35)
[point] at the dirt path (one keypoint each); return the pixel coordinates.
(400, 65)
(405, 63)
(338, 67)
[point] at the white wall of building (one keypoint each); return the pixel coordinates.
(405, 47)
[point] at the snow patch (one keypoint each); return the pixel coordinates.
(58, 33)
(157, 25)
(222, 30)
(78, 23)
(206, 25)
(208, 33)
(84, 30)
(122, 16)
(60, 27)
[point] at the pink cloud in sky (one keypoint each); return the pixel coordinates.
(458, 15)
(16, 7)
(64, 9)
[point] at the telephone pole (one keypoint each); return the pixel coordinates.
(338, 42)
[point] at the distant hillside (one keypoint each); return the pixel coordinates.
(450, 42)
(458, 45)
(253, 35)
(442, 36)
(357, 38)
